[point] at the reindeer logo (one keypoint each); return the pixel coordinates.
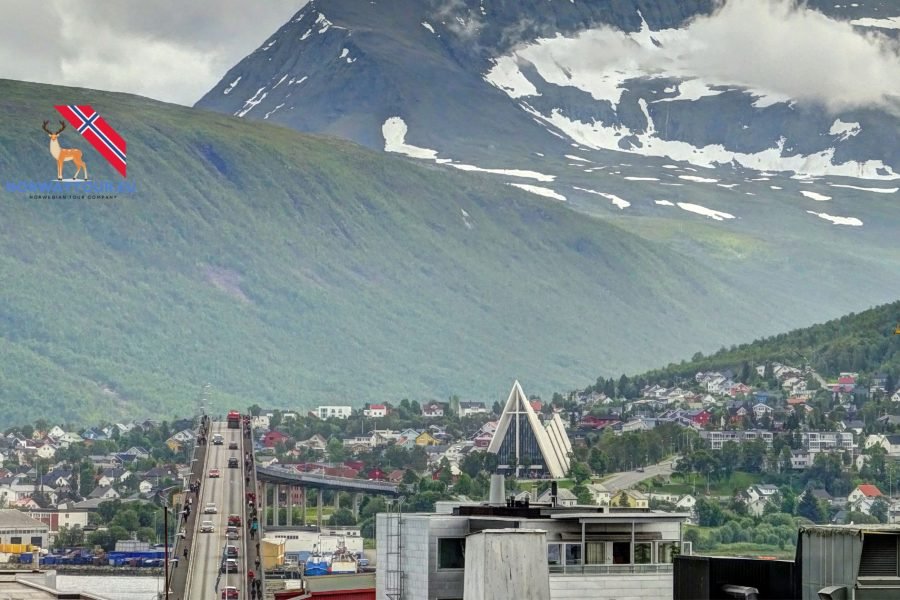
(64, 154)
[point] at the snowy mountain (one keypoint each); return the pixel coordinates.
(751, 136)
(756, 84)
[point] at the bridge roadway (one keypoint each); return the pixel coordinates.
(291, 477)
(227, 493)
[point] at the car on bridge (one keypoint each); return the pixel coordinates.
(230, 593)
(207, 527)
(214, 473)
(233, 462)
(218, 439)
(232, 533)
(231, 551)
(229, 565)
(234, 520)
(210, 508)
(232, 445)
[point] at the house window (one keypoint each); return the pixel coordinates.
(621, 553)
(595, 553)
(451, 553)
(666, 552)
(643, 553)
(553, 556)
(573, 554)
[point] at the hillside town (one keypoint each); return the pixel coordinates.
(785, 425)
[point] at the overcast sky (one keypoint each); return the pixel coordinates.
(172, 50)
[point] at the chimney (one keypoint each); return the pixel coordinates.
(498, 491)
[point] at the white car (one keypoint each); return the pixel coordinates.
(210, 508)
(207, 527)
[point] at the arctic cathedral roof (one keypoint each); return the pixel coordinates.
(524, 445)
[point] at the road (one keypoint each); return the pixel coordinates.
(628, 479)
(227, 493)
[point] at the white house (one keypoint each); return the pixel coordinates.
(863, 497)
(376, 411)
(433, 410)
(260, 422)
(467, 409)
(760, 409)
(56, 432)
(334, 412)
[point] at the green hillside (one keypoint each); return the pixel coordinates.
(289, 270)
(865, 342)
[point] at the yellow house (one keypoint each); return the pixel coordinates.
(173, 444)
(629, 499)
(425, 439)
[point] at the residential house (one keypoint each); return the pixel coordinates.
(630, 499)
(425, 439)
(564, 497)
(863, 497)
(433, 410)
(104, 493)
(717, 439)
(316, 443)
(138, 452)
(376, 411)
(93, 435)
(271, 438)
(334, 412)
(760, 410)
(756, 497)
(146, 486)
(801, 459)
(600, 493)
(468, 409)
(56, 432)
(111, 477)
(818, 441)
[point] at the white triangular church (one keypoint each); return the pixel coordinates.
(526, 448)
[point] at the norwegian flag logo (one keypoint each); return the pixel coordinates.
(97, 132)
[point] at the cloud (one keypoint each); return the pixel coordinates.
(776, 47)
(165, 49)
(462, 21)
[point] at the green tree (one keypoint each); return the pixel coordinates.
(580, 472)
(335, 450)
(583, 495)
(342, 517)
(880, 510)
(709, 513)
(809, 508)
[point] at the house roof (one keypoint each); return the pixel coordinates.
(869, 490)
(16, 519)
(376, 407)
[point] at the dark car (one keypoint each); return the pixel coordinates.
(232, 446)
(229, 565)
(231, 551)
(233, 462)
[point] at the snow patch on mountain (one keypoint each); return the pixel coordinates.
(250, 103)
(845, 130)
(395, 129)
(697, 179)
(866, 189)
(715, 215)
(231, 85)
(623, 204)
(540, 191)
(428, 26)
(852, 221)
(815, 196)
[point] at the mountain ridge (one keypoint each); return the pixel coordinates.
(293, 270)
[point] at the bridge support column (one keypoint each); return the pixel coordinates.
(356, 498)
(337, 500)
(290, 506)
(303, 513)
(319, 500)
(276, 504)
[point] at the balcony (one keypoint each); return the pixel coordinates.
(649, 569)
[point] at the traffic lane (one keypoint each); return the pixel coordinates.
(211, 545)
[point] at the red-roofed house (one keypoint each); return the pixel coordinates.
(376, 411)
(536, 405)
(273, 437)
(433, 410)
(701, 418)
(863, 497)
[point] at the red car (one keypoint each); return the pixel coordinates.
(230, 593)
(213, 472)
(234, 520)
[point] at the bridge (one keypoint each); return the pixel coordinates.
(223, 484)
(291, 477)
